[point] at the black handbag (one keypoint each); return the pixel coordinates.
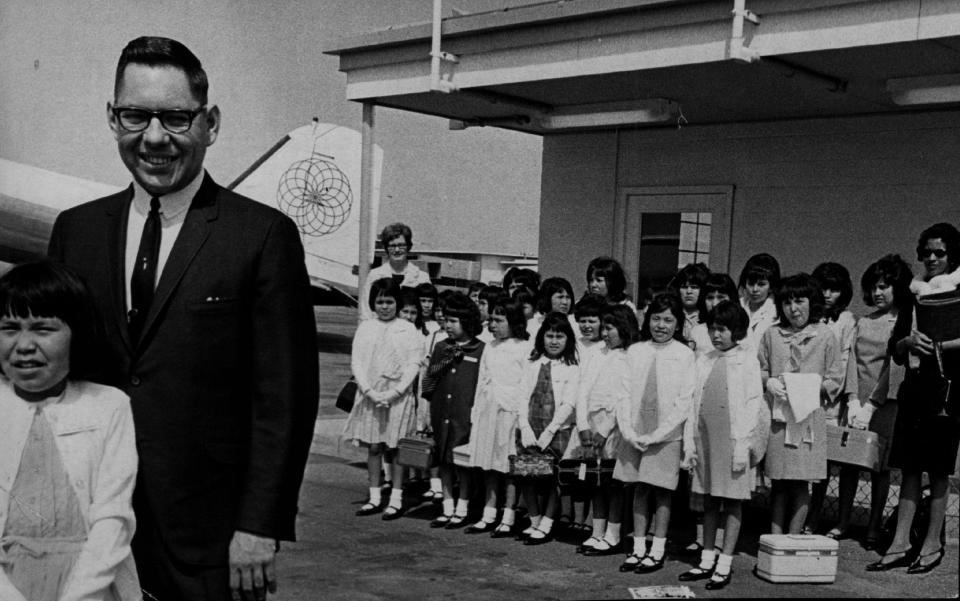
(586, 471)
(347, 395)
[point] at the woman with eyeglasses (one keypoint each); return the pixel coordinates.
(927, 431)
(397, 239)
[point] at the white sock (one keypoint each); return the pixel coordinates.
(375, 495)
(396, 498)
(509, 515)
(599, 526)
(545, 525)
(707, 559)
(613, 533)
(489, 514)
(639, 545)
(448, 507)
(723, 563)
(435, 485)
(461, 510)
(657, 547)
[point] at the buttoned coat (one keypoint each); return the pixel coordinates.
(224, 380)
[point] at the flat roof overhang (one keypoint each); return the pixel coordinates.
(717, 61)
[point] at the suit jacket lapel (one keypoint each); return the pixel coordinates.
(115, 249)
(196, 228)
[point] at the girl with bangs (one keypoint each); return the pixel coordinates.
(494, 415)
(800, 367)
(605, 277)
(758, 283)
(604, 385)
(717, 288)
(547, 402)
(651, 421)
(556, 294)
(688, 285)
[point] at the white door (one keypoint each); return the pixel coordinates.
(662, 229)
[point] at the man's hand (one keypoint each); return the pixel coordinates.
(252, 568)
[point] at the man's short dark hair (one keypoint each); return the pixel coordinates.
(154, 51)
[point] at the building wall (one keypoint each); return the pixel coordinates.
(845, 190)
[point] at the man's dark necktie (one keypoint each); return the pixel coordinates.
(145, 271)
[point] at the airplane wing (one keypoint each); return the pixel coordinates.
(313, 175)
(30, 200)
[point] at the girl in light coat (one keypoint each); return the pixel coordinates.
(68, 461)
(651, 421)
(725, 413)
(759, 281)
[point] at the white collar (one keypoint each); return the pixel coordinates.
(172, 205)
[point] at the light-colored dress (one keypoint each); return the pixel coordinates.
(604, 384)
(67, 471)
(663, 377)
(699, 340)
(843, 329)
(494, 415)
(563, 385)
(814, 349)
(386, 357)
(760, 321)
(725, 412)
(872, 377)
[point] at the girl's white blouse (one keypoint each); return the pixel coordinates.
(604, 384)
(565, 380)
(676, 379)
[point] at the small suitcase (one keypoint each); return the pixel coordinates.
(461, 456)
(415, 452)
(807, 558)
(861, 448)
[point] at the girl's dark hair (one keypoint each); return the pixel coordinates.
(427, 290)
(459, 306)
(475, 287)
(624, 320)
(493, 295)
(523, 276)
(611, 271)
(761, 267)
(801, 285)
(409, 296)
(590, 305)
(384, 287)
(560, 323)
(513, 311)
(730, 315)
(525, 296)
(716, 282)
(694, 274)
(548, 288)
(48, 289)
(666, 301)
(950, 237)
(894, 271)
(396, 230)
(834, 276)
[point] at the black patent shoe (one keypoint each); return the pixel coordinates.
(456, 521)
(696, 573)
(607, 549)
(534, 539)
(392, 513)
(440, 521)
(480, 527)
(900, 562)
(502, 531)
(922, 568)
(646, 567)
(718, 581)
(368, 508)
(630, 563)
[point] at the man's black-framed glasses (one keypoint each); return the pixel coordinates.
(175, 121)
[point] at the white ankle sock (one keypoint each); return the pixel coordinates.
(448, 507)
(509, 515)
(375, 497)
(657, 547)
(545, 525)
(435, 485)
(462, 505)
(396, 497)
(489, 514)
(639, 545)
(612, 535)
(707, 559)
(723, 563)
(599, 526)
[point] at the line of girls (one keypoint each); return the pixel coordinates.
(706, 384)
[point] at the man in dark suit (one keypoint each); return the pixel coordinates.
(207, 316)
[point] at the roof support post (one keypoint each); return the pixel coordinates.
(366, 201)
(437, 56)
(739, 49)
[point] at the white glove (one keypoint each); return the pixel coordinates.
(546, 437)
(776, 389)
(741, 456)
(861, 419)
(689, 459)
(527, 437)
